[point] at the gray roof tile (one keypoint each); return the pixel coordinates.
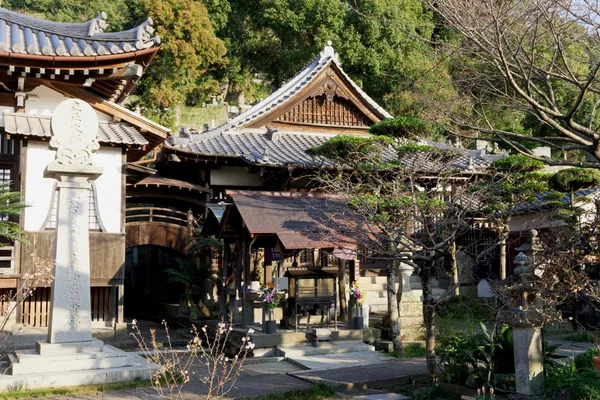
(28, 35)
(39, 126)
(263, 147)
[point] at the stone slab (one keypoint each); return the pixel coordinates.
(52, 349)
(341, 360)
(381, 396)
(29, 362)
(373, 376)
(138, 369)
(304, 349)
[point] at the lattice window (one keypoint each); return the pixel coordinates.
(93, 219)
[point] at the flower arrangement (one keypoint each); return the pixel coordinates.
(270, 296)
(358, 294)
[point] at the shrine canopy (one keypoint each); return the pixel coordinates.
(296, 220)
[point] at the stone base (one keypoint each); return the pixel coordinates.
(44, 348)
(319, 337)
(411, 319)
(72, 364)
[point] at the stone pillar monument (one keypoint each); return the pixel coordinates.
(70, 356)
(411, 306)
(75, 126)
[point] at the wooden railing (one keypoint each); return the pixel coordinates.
(157, 214)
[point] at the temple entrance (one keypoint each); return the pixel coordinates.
(149, 292)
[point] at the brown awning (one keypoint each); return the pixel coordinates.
(312, 272)
(298, 219)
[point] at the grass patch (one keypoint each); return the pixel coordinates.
(318, 391)
(581, 336)
(411, 350)
(19, 393)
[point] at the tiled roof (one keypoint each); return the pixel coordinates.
(39, 126)
(326, 58)
(23, 34)
(541, 202)
(294, 217)
(264, 147)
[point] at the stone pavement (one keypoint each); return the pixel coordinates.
(369, 376)
(570, 349)
(333, 361)
(256, 380)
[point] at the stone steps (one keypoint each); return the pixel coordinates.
(29, 362)
(337, 347)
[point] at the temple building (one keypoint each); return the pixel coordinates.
(255, 169)
(43, 63)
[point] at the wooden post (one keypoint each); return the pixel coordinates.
(223, 295)
(503, 258)
(455, 277)
(121, 304)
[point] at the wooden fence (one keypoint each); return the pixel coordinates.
(36, 308)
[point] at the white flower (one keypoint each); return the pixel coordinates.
(134, 322)
(250, 331)
(204, 328)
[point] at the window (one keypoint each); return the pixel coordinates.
(93, 218)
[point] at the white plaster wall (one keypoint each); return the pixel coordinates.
(47, 101)
(2, 110)
(234, 176)
(38, 190)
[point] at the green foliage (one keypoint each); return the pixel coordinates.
(411, 350)
(583, 384)
(571, 180)
(346, 148)
(516, 163)
(10, 206)
(189, 51)
(455, 351)
(378, 45)
(402, 127)
(431, 392)
(462, 308)
(584, 360)
(192, 276)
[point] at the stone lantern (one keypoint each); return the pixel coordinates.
(526, 322)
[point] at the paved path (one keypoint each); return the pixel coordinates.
(334, 361)
(570, 349)
(370, 376)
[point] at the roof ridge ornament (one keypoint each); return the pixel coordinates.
(98, 24)
(328, 51)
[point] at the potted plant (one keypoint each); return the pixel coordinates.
(358, 295)
(270, 299)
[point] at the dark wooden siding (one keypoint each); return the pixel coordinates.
(159, 234)
(107, 255)
(320, 111)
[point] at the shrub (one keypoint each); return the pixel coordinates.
(583, 384)
(584, 361)
(516, 163)
(400, 127)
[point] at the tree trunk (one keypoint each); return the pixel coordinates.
(393, 309)
(429, 320)
(342, 292)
